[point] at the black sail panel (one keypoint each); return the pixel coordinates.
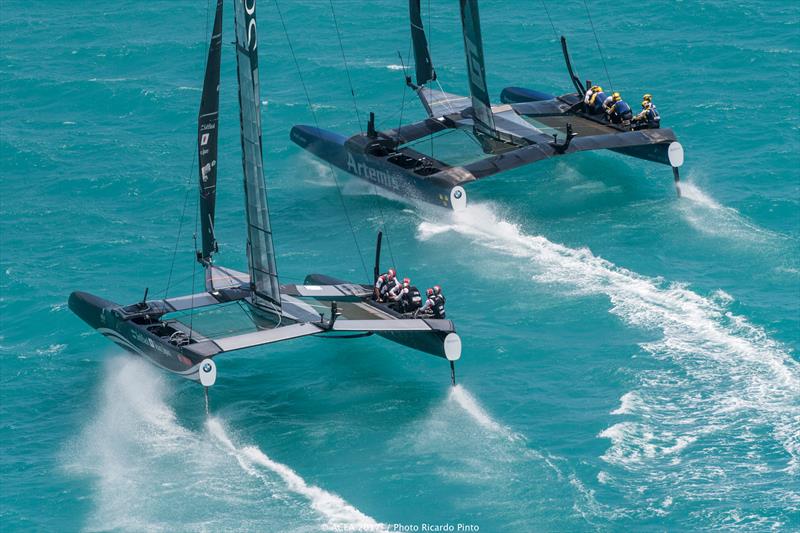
(260, 251)
(207, 134)
(422, 54)
(473, 48)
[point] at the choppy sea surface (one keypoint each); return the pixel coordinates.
(630, 360)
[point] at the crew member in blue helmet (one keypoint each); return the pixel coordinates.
(648, 118)
(619, 112)
(593, 99)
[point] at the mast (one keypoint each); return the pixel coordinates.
(473, 48)
(260, 251)
(422, 54)
(207, 135)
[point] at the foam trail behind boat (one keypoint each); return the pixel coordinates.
(467, 402)
(711, 218)
(339, 514)
(724, 372)
(148, 472)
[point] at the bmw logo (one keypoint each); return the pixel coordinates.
(457, 194)
(207, 368)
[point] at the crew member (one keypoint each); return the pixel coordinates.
(648, 118)
(410, 298)
(407, 297)
(594, 99)
(384, 285)
(619, 112)
(434, 305)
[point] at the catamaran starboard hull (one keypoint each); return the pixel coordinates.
(657, 153)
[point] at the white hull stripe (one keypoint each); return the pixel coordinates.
(191, 373)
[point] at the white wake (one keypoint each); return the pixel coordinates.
(337, 512)
(149, 472)
(470, 405)
(729, 371)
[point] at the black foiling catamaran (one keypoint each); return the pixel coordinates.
(157, 330)
(530, 126)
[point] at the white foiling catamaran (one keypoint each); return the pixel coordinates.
(170, 333)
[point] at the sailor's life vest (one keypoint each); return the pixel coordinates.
(410, 299)
(438, 306)
(652, 117)
(620, 112)
(648, 118)
(594, 102)
(384, 285)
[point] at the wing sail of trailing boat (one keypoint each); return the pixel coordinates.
(422, 54)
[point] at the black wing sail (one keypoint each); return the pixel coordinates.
(260, 251)
(422, 54)
(207, 133)
(473, 48)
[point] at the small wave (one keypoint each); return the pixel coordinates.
(53, 349)
(627, 404)
(395, 67)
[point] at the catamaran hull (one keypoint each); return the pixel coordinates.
(657, 153)
(102, 315)
(439, 341)
(333, 148)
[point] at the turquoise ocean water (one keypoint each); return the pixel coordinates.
(630, 361)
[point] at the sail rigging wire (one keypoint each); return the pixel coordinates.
(180, 227)
(194, 270)
(430, 53)
(547, 12)
(191, 171)
(358, 117)
(346, 68)
(599, 49)
(405, 85)
(316, 123)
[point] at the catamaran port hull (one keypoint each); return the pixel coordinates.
(401, 172)
(139, 332)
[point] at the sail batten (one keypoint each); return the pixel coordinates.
(422, 54)
(207, 137)
(476, 71)
(264, 281)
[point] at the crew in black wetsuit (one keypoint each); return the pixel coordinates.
(407, 297)
(434, 305)
(648, 118)
(385, 284)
